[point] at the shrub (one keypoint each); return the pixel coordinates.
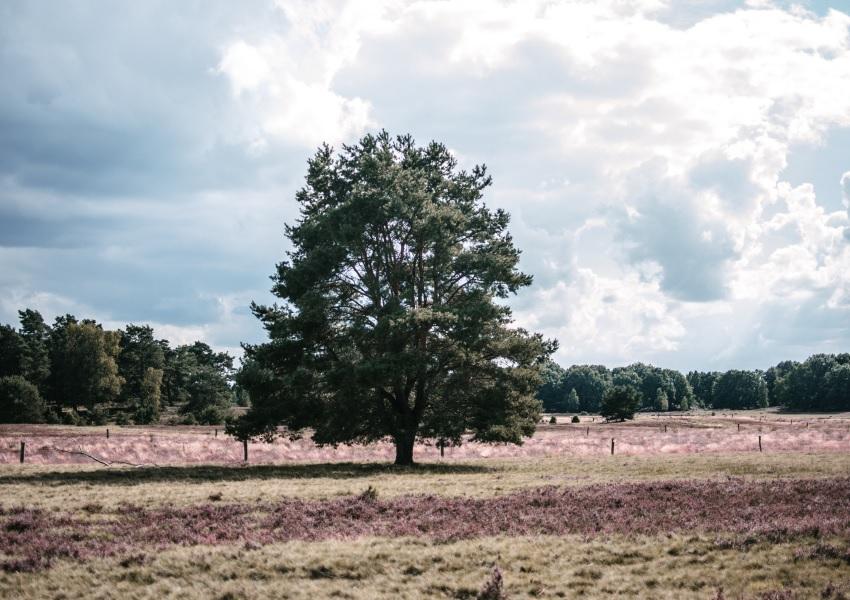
(212, 415)
(620, 404)
(70, 417)
(97, 416)
(575, 419)
(20, 401)
(553, 420)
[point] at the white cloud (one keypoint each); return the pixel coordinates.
(639, 145)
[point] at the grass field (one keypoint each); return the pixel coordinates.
(681, 514)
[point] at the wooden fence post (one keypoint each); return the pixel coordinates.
(665, 427)
(612, 446)
(759, 443)
(23, 446)
(216, 433)
(739, 427)
(107, 433)
(245, 449)
(588, 432)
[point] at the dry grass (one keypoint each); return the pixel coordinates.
(667, 434)
(70, 487)
(672, 566)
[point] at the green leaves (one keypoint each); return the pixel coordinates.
(389, 325)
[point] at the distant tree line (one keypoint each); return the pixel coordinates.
(77, 372)
(821, 383)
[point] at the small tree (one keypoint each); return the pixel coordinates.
(147, 410)
(620, 404)
(20, 401)
(661, 402)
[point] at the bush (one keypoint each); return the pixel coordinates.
(70, 417)
(122, 419)
(98, 416)
(620, 404)
(553, 420)
(575, 419)
(212, 415)
(20, 401)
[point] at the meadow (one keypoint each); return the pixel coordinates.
(687, 506)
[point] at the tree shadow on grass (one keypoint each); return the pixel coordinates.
(208, 473)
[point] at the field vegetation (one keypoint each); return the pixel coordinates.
(680, 516)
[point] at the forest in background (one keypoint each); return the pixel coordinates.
(820, 383)
(76, 372)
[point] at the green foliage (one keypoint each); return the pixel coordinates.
(208, 395)
(78, 364)
(575, 419)
(821, 382)
(573, 401)
(97, 416)
(740, 389)
(390, 325)
(139, 352)
(11, 351)
(148, 407)
(195, 380)
(773, 375)
(35, 361)
(20, 401)
(703, 387)
(620, 403)
(86, 372)
(648, 379)
(590, 383)
(550, 392)
(661, 402)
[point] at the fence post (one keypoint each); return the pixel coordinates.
(23, 446)
(107, 433)
(612, 446)
(245, 449)
(759, 443)
(739, 427)
(588, 432)
(665, 427)
(216, 433)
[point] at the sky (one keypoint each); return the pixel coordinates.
(678, 172)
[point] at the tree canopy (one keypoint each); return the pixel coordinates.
(620, 403)
(391, 323)
(78, 372)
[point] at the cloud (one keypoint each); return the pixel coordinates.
(652, 154)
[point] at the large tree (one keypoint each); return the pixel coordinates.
(140, 352)
(87, 372)
(392, 322)
(740, 389)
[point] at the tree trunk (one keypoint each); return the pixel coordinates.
(404, 447)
